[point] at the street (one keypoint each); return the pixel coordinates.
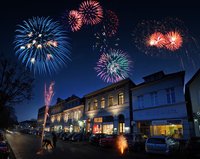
(26, 147)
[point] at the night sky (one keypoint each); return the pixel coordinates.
(79, 77)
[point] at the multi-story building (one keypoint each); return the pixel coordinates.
(107, 110)
(56, 123)
(67, 115)
(193, 103)
(159, 106)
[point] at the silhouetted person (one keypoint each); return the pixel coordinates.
(54, 139)
(46, 143)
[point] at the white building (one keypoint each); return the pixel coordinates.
(159, 106)
(67, 115)
(193, 103)
(108, 110)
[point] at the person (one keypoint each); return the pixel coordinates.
(46, 143)
(175, 135)
(180, 133)
(54, 139)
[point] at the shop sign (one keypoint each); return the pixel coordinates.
(98, 120)
(159, 122)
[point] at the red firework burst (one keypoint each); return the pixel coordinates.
(111, 23)
(174, 40)
(156, 39)
(91, 11)
(75, 20)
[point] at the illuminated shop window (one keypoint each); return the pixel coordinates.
(174, 130)
(108, 129)
(121, 128)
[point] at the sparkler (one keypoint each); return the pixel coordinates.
(48, 95)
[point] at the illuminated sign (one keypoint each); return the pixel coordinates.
(98, 120)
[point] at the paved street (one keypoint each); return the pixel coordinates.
(26, 147)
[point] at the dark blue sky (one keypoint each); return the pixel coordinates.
(79, 76)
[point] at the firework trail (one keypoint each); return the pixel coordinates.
(114, 66)
(42, 45)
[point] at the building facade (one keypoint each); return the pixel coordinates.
(67, 115)
(193, 103)
(108, 110)
(159, 106)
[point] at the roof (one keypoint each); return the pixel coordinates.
(118, 84)
(193, 77)
(164, 77)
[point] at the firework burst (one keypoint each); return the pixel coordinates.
(168, 38)
(114, 66)
(42, 45)
(157, 39)
(75, 20)
(91, 11)
(103, 42)
(174, 40)
(111, 23)
(148, 34)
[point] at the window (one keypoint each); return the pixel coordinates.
(66, 117)
(102, 102)
(76, 115)
(110, 102)
(170, 95)
(95, 105)
(154, 98)
(121, 98)
(121, 128)
(140, 102)
(89, 106)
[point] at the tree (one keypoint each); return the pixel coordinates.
(15, 86)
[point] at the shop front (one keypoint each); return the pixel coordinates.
(103, 125)
(172, 128)
(57, 128)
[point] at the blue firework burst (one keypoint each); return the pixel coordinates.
(42, 45)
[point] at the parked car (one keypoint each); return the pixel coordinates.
(95, 138)
(60, 135)
(136, 142)
(67, 136)
(4, 150)
(193, 147)
(108, 141)
(161, 145)
(77, 137)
